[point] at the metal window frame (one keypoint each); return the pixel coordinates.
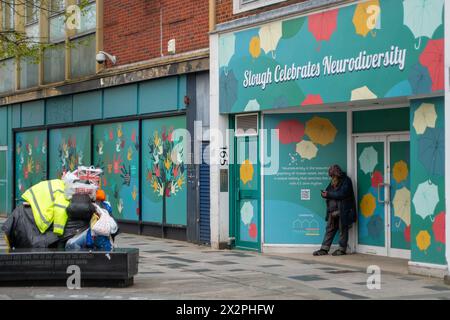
(246, 134)
(240, 6)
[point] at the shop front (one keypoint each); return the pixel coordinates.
(359, 85)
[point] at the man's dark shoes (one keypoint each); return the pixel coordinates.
(339, 252)
(320, 252)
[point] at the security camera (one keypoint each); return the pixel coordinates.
(102, 56)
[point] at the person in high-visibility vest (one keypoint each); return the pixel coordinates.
(48, 202)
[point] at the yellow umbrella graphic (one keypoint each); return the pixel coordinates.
(400, 171)
(246, 172)
(255, 47)
(402, 205)
(362, 93)
(424, 117)
(269, 36)
(321, 131)
(307, 150)
(423, 240)
(368, 205)
(367, 17)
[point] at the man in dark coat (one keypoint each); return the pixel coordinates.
(341, 211)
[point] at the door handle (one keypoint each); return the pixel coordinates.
(386, 197)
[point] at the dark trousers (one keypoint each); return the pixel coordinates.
(333, 226)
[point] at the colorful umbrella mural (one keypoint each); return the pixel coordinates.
(321, 131)
(368, 159)
(424, 117)
(367, 17)
(375, 226)
(252, 105)
(253, 231)
(433, 59)
(419, 79)
(423, 240)
(292, 27)
(323, 25)
(426, 199)
(362, 93)
(432, 151)
(246, 172)
(228, 90)
(407, 233)
(226, 49)
(269, 35)
(307, 150)
(255, 47)
(247, 212)
(376, 179)
(400, 171)
(312, 99)
(422, 17)
(402, 205)
(368, 205)
(290, 131)
(439, 228)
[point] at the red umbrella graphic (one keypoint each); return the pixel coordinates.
(291, 131)
(432, 58)
(439, 227)
(322, 25)
(253, 231)
(377, 178)
(312, 99)
(407, 233)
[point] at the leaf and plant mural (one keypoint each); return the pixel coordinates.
(116, 151)
(69, 149)
(164, 171)
(31, 160)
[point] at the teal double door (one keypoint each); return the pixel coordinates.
(383, 195)
(3, 181)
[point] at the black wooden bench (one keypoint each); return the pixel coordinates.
(49, 267)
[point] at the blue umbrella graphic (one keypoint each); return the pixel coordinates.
(375, 226)
(228, 90)
(432, 151)
(420, 80)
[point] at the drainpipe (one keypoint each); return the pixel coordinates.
(212, 15)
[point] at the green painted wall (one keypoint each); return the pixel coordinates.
(120, 101)
(428, 182)
(33, 113)
(4, 126)
(59, 110)
(162, 95)
(88, 106)
(381, 120)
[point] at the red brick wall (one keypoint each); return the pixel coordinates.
(132, 29)
(224, 9)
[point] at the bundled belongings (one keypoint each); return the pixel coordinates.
(81, 207)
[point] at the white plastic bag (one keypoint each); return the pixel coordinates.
(106, 225)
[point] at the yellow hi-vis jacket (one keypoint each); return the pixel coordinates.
(49, 205)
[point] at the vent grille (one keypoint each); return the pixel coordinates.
(247, 125)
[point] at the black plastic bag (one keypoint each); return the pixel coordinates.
(23, 233)
(80, 208)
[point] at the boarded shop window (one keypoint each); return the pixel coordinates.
(7, 72)
(82, 56)
(164, 155)
(116, 151)
(54, 64)
(31, 160)
(69, 148)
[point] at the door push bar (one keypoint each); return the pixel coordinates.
(386, 200)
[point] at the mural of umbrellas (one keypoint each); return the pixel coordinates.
(363, 93)
(432, 58)
(323, 25)
(377, 178)
(367, 17)
(254, 47)
(422, 17)
(252, 105)
(424, 117)
(439, 228)
(423, 240)
(432, 151)
(269, 35)
(307, 150)
(292, 27)
(368, 205)
(226, 49)
(400, 171)
(290, 131)
(247, 213)
(426, 199)
(368, 159)
(402, 205)
(419, 79)
(228, 91)
(246, 172)
(375, 226)
(321, 131)
(312, 99)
